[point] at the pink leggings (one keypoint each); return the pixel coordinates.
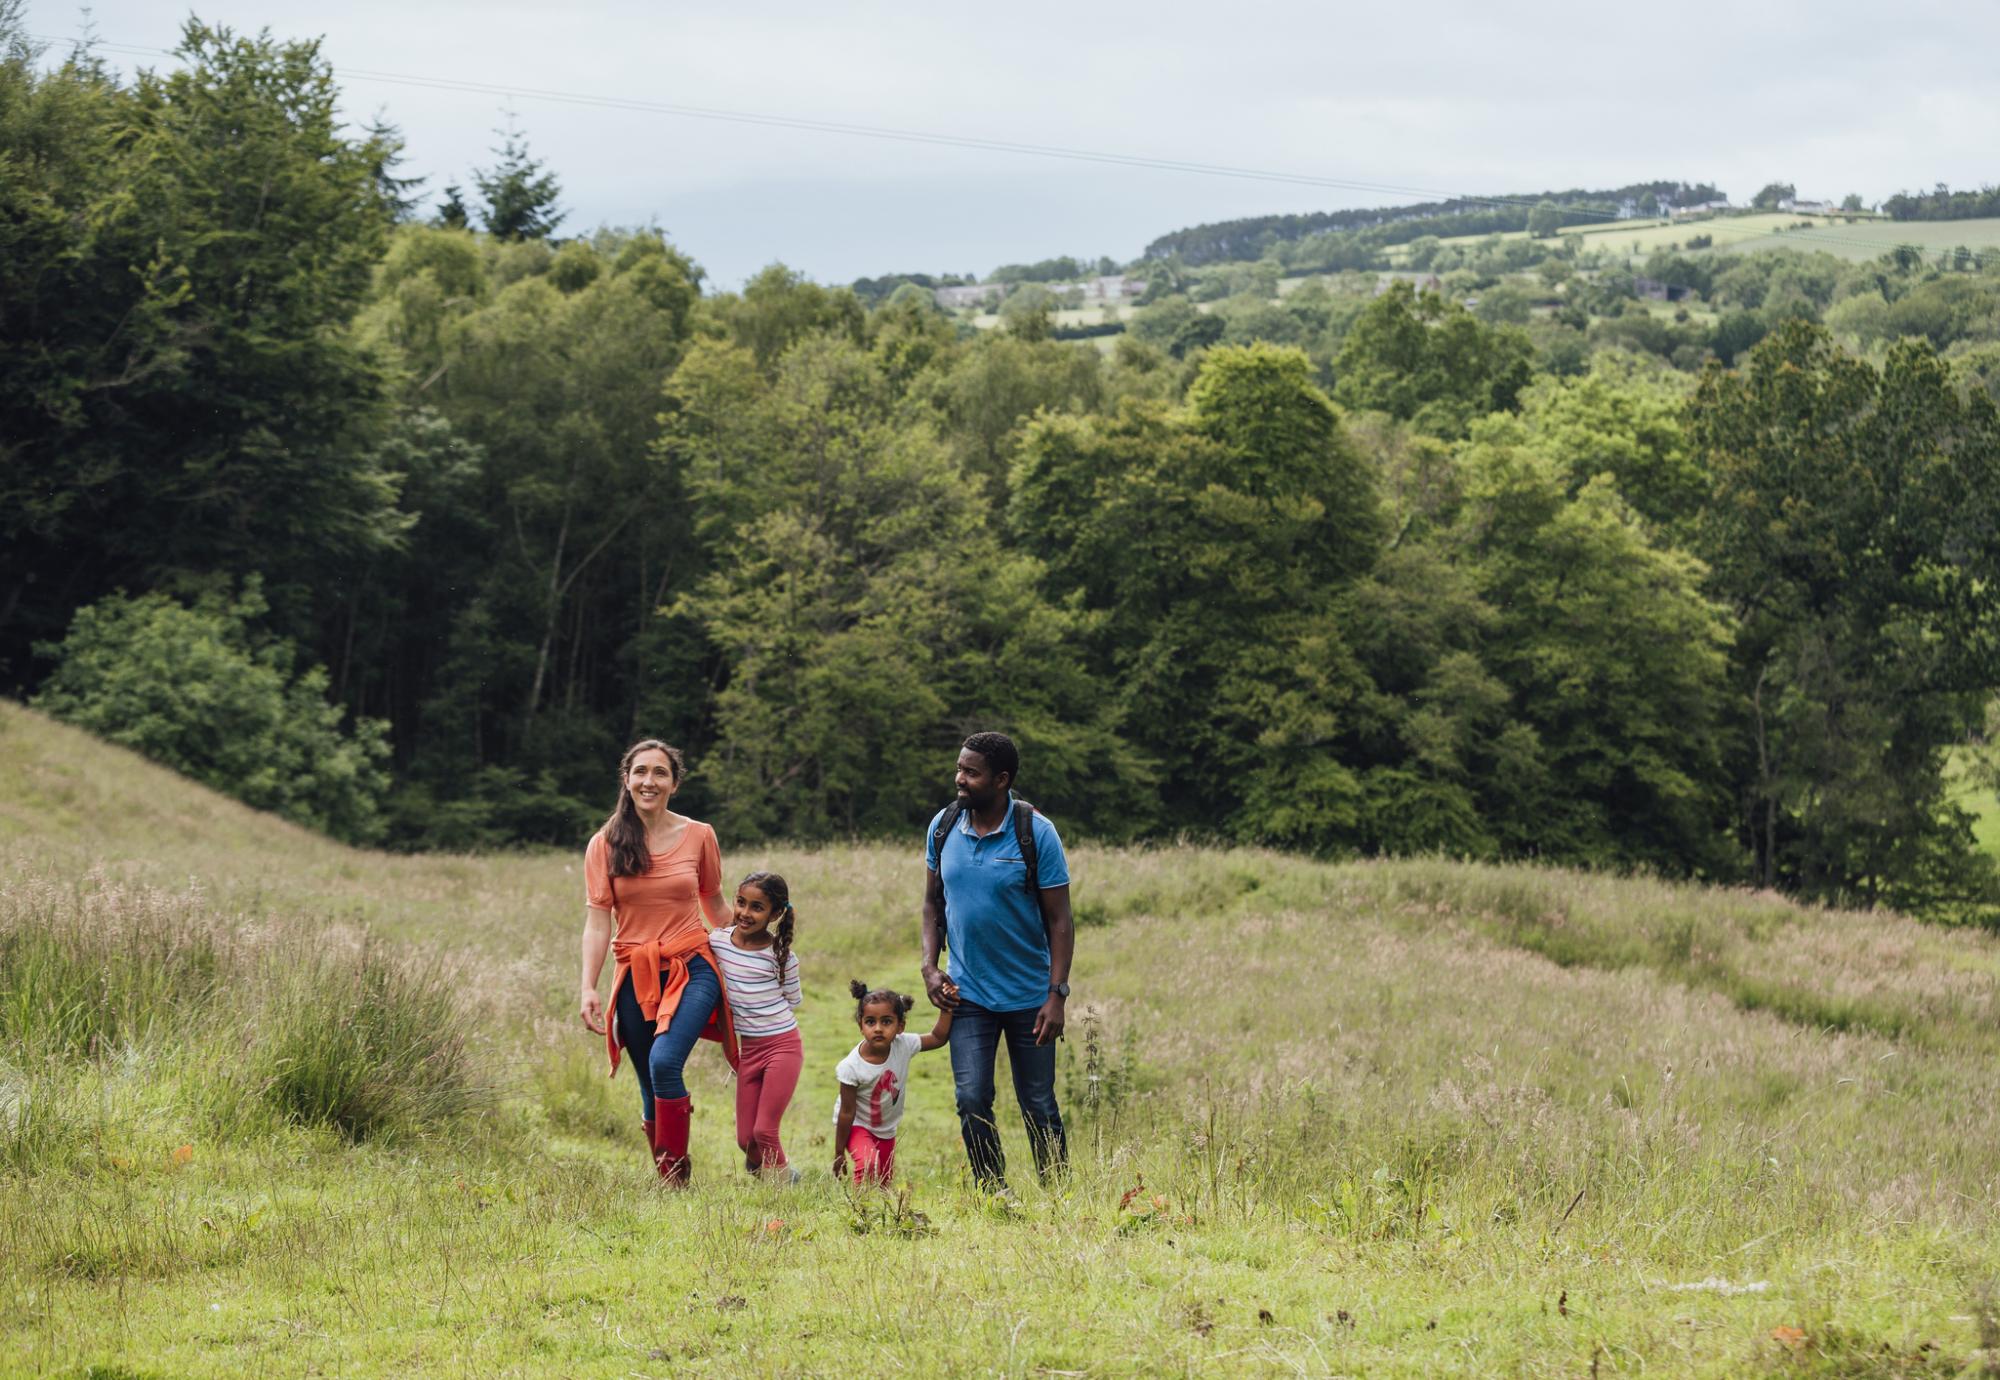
(767, 1073)
(874, 1156)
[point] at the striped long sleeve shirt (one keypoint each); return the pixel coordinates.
(760, 1001)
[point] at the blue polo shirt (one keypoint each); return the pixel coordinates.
(993, 928)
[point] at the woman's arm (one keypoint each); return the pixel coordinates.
(849, 1098)
(596, 943)
(940, 1033)
(708, 876)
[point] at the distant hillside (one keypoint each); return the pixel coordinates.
(1247, 238)
(62, 786)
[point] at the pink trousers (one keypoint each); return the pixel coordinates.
(874, 1156)
(767, 1074)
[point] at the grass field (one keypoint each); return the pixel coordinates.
(1859, 240)
(1410, 1119)
(1640, 239)
(1068, 318)
(1872, 238)
(1976, 798)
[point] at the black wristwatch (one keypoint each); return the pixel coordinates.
(1061, 989)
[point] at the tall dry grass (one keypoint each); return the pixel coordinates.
(251, 1021)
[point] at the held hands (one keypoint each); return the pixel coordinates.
(591, 1008)
(943, 991)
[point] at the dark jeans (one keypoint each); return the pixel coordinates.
(976, 1034)
(658, 1057)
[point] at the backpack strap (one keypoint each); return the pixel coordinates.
(1024, 835)
(946, 823)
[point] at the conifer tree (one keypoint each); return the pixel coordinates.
(520, 196)
(451, 213)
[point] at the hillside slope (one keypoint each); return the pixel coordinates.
(1392, 1118)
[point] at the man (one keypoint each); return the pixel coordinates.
(1010, 948)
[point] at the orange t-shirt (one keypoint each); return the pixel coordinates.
(659, 926)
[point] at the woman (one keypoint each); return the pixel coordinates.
(648, 876)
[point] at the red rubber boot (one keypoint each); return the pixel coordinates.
(652, 1140)
(670, 1142)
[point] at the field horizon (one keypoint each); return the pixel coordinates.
(1385, 1117)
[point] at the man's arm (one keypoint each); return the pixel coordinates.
(943, 991)
(1061, 927)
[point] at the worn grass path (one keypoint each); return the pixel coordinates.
(1388, 1119)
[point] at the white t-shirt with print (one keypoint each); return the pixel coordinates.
(878, 1088)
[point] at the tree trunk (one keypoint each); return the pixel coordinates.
(549, 622)
(1765, 841)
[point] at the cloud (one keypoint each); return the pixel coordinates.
(1460, 96)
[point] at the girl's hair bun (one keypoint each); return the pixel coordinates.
(864, 994)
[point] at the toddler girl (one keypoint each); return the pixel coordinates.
(872, 1080)
(760, 973)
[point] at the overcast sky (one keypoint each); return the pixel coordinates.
(1456, 95)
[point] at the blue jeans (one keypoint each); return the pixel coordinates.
(659, 1056)
(976, 1034)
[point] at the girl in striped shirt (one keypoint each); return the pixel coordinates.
(760, 974)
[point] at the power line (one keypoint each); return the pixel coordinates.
(931, 137)
(892, 133)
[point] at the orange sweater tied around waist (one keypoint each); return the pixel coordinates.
(659, 928)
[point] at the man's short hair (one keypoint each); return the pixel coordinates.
(1000, 753)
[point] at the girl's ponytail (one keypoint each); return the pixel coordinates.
(781, 940)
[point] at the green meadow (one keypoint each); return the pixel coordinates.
(274, 1106)
(1070, 318)
(1639, 239)
(1636, 239)
(1858, 240)
(1869, 239)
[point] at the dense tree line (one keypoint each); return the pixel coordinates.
(406, 528)
(1250, 236)
(1942, 203)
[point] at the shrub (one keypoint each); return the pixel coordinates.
(352, 1039)
(318, 1030)
(191, 686)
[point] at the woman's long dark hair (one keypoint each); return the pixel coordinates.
(625, 832)
(780, 896)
